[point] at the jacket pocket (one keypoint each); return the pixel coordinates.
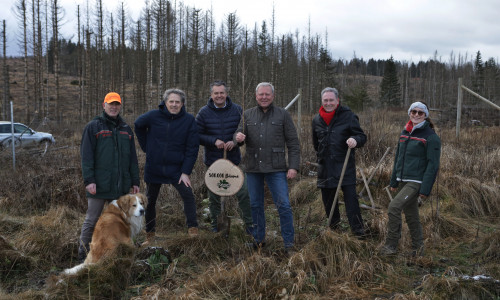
(277, 132)
(103, 181)
(278, 158)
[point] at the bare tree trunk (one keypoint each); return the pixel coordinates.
(36, 81)
(39, 60)
(5, 69)
(122, 57)
(88, 67)
(22, 16)
(111, 59)
(79, 66)
(55, 34)
(149, 58)
(47, 71)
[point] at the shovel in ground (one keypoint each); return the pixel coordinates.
(223, 220)
(225, 179)
(338, 187)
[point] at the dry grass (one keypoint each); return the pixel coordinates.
(43, 205)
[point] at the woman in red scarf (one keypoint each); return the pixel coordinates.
(415, 169)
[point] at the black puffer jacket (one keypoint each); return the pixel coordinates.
(218, 123)
(330, 144)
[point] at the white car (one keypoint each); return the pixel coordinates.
(23, 136)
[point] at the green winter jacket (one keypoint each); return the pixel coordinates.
(108, 157)
(417, 158)
(268, 137)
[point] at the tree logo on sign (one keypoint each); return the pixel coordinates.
(223, 184)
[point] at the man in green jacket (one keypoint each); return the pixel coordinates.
(272, 155)
(109, 164)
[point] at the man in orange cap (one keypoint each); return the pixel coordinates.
(109, 164)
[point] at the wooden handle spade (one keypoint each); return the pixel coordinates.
(338, 186)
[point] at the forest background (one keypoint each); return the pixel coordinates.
(173, 45)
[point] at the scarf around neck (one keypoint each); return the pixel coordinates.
(327, 116)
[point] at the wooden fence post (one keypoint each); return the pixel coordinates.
(459, 108)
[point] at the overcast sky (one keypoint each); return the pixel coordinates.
(409, 30)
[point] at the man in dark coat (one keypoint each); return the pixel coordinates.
(217, 121)
(109, 164)
(169, 137)
(335, 129)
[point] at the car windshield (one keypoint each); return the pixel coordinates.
(21, 128)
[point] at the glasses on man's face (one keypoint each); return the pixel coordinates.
(417, 112)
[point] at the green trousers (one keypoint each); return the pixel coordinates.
(243, 203)
(405, 201)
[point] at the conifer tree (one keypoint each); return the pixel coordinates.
(390, 89)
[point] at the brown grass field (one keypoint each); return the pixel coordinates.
(42, 207)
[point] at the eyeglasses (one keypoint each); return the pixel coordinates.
(417, 112)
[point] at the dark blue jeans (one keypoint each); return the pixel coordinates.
(278, 186)
(187, 196)
(351, 206)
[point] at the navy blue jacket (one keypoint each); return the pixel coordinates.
(329, 141)
(218, 123)
(171, 144)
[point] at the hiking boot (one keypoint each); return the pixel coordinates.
(387, 250)
(249, 229)
(193, 231)
(290, 250)
(360, 233)
(418, 252)
(150, 239)
(255, 245)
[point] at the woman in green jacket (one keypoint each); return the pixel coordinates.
(415, 169)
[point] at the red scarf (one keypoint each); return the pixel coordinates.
(327, 116)
(409, 126)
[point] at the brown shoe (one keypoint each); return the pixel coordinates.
(387, 250)
(193, 231)
(150, 239)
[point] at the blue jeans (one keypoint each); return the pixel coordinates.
(278, 186)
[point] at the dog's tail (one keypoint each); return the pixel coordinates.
(74, 270)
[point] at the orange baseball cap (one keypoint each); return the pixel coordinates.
(112, 97)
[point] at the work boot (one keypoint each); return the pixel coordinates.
(150, 239)
(360, 233)
(418, 252)
(249, 229)
(193, 231)
(387, 250)
(290, 250)
(255, 245)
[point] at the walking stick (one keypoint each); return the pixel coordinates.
(338, 186)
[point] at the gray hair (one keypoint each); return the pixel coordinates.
(330, 90)
(218, 83)
(263, 84)
(174, 91)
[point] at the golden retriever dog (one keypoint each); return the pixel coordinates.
(119, 223)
